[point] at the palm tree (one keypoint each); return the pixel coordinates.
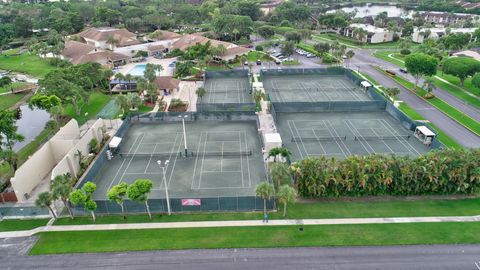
(45, 200)
(282, 151)
(264, 191)
(61, 187)
(280, 174)
(428, 85)
(286, 194)
(201, 92)
(112, 41)
(235, 32)
(350, 55)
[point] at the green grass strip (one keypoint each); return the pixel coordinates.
(441, 105)
(257, 237)
(333, 209)
(8, 101)
(97, 101)
(26, 63)
(21, 224)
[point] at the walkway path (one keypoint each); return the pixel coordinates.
(238, 223)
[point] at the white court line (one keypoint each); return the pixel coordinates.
(248, 161)
(303, 145)
(221, 159)
(330, 129)
(241, 158)
(203, 159)
(121, 165)
(319, 142)
(192, 187)
(293, 135)
(150, 159)
(221, 171)
(130, 161)
(394, 131)
(176, 157)
(383, 141)
(355, 133)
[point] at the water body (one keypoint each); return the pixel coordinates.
(30, 125)
(373, 10)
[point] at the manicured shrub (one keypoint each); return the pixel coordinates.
(439, 172)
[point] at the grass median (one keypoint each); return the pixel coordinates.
(7, 225)
(257, 237)
(390, 207)
(441, 105)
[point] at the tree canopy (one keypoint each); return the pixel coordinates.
(461, 67)
(420, 64)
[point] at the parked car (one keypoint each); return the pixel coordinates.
(310, 55)
(259, 62)
(245, 63)
(278, 62)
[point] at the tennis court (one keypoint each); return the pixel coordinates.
(312, 88)
(224, 159)
(341, 134)
(227, 90)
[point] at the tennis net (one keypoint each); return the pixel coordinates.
(148, 155)
(222, 154)
(382, 138)
(319, 139)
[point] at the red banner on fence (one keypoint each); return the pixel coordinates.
(191, 202)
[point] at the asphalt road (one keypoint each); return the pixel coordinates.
(12, 256)
(366, 56)
(363, 61)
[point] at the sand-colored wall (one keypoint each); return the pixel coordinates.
(31, 173)
(57, 156)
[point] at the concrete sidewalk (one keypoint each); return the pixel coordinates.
(238, 223)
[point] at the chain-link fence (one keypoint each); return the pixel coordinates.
(214, 204)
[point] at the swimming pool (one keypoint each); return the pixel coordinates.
(138, 70)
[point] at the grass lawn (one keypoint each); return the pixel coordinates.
(253, 56)
(15, 86)
(144, 108)
(97, 101)
(291, 63)
(7, 101)
(26, 63)
(257, 237)
(441, 105)
(349, 42)
(384, 55)
(20, 224)
(334, 209)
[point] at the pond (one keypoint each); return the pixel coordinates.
(373, 10)
(30, 124)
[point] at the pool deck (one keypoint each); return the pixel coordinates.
(167, 71)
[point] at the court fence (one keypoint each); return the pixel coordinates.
(226, 107)
(233, 73)
(15, 211)
(303, 71)
(192, 116)
(211, 204)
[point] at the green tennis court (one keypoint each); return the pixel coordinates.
(312, 88)
(228, 90)
(224, 159)
(341, 134)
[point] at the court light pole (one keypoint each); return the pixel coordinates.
(159, 162)
(184, 133)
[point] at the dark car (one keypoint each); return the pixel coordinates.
(403, 70)
(259, 62)
(278, 62)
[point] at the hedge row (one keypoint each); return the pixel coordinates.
(437, 172)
